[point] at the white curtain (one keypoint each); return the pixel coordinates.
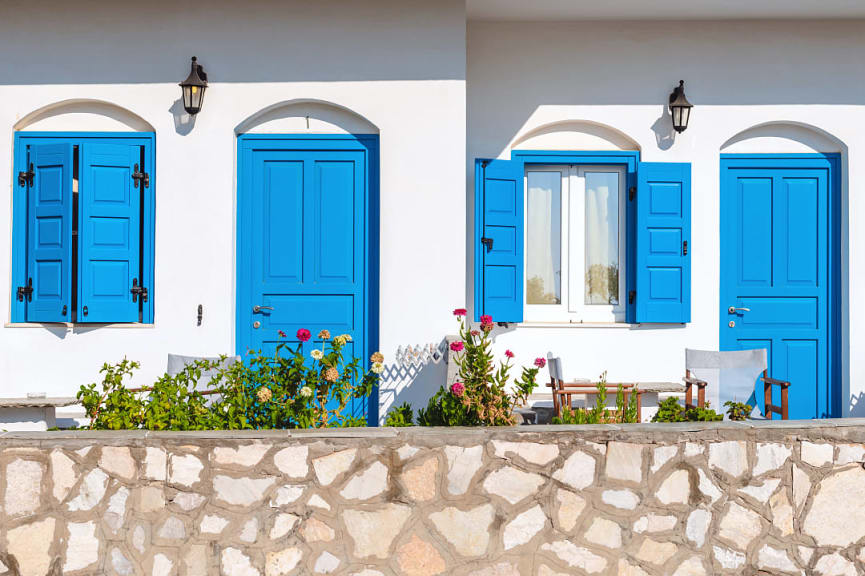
(543, 238)
(602, 238)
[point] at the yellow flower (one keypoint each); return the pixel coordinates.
(264, 394)
(346, 337)
(340, 340)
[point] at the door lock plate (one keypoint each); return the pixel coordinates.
(256, 324)
(732, 324)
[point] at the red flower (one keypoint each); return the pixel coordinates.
(509, 354)
(540, 362)
(303, 335)
(281, 334)
(475, 333)
(486, 319)
(457, 346)
(458, 389)
(460, 312)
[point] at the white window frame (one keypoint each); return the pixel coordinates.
(573, 309)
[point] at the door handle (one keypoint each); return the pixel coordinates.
(734, 310)
(257, 309)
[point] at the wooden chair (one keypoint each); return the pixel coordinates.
(732, 376)
(564, 392)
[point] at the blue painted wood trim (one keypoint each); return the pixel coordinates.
(833, 162)
(369, 143)
(19, 206)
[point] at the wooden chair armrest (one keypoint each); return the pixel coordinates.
(775, 381)
(691, 381)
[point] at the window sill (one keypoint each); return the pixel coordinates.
(74, 326)
(546, 324)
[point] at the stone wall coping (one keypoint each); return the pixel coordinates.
(845, 427)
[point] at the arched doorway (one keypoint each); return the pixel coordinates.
(307, 252)
(780, 259)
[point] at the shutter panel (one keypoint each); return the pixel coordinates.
(663, 231)
(49, 234)
(109, 233)
(499, 267)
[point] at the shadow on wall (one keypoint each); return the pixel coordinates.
(414, 383)
(262, 41)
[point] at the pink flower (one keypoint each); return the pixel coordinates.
(475, 333)
(509, 354)
(540, 362)
(486, 319)
(460, 312)
(458, 389)
(457, 346)
(303, 335)
(281, 334)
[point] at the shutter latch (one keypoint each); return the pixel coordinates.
(632, 192)
(632, 295)
(26, 178)
(138, 176)
(26, 291)
(685, 248)
(138, 291)
(488, 242)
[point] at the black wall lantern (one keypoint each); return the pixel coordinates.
(680, 108)
(193, 88)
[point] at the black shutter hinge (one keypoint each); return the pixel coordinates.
(632, 192)
(26, 178)
(138, 291)
(632, 295)
(488, 242)
(26, 291)
(138, 176)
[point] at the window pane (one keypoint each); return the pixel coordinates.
(602, 238)
(544, 238)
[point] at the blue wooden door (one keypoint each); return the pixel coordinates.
(304, 245)
(775, 272)
(109, 233)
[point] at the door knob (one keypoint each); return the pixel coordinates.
(257, 309)
(734, 310)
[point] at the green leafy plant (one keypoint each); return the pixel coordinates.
(625, 412)
(480, 396)
(738, 410)
(401, 416)
(670, 410)
(286, 390)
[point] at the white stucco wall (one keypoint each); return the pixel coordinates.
(397, 65)
(526, 76)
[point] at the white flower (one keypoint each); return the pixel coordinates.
(306, 392)
(346, 337)
(317, 354)
(377, 367)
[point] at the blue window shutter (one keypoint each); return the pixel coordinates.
(49, 234)
(109, 233)
(499, 240)
(663, 234)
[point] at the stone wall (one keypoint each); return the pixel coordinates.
(543, 501)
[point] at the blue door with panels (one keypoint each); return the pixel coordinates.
(307, 243)
(779, 242)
